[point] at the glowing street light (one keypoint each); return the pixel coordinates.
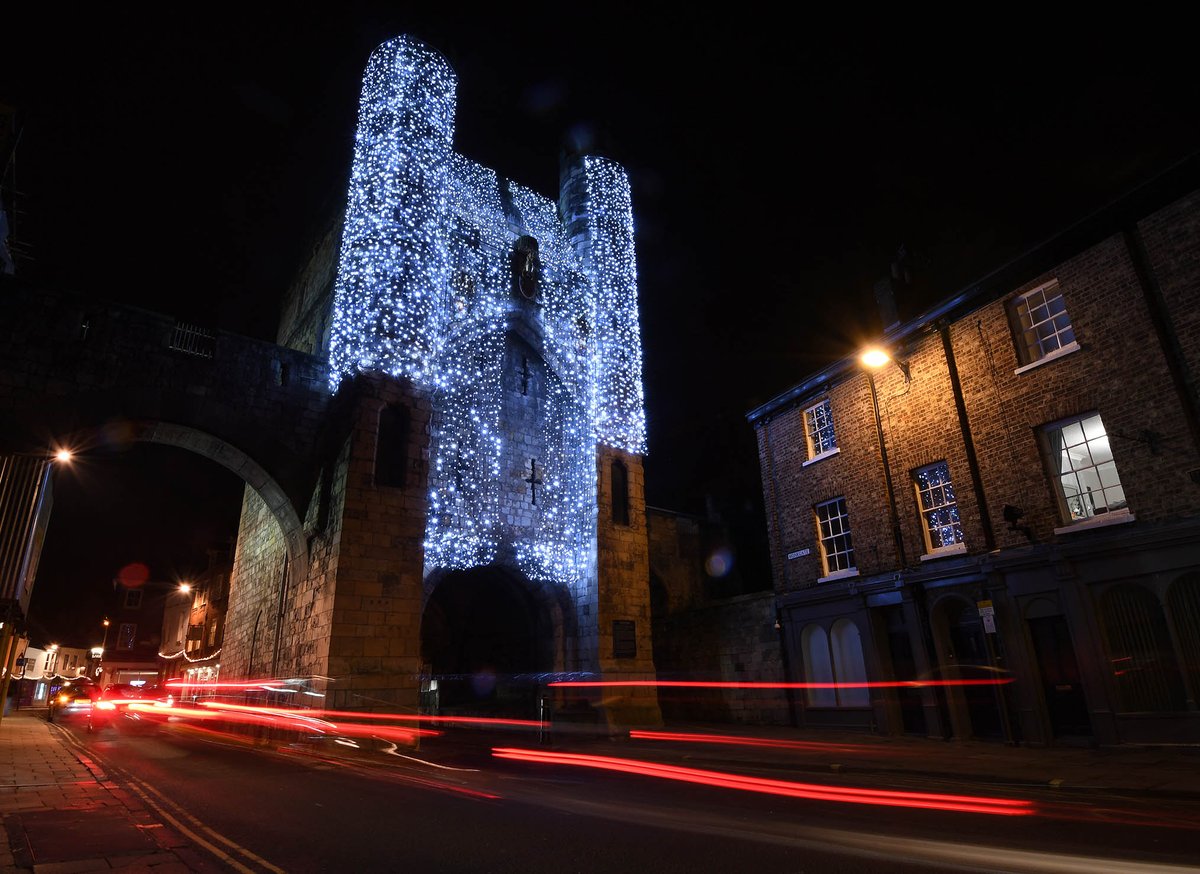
(872, 359)
(63, 455)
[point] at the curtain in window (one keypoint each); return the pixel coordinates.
(848, 664)
(817, 667)
(1068, 485)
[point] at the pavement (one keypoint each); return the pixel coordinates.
(62, 814)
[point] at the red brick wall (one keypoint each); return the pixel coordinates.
(1119, 371)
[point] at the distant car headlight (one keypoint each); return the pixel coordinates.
(63, 699)
(105, 705)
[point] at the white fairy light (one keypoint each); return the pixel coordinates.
(424, 291)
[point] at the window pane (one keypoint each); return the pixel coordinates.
(1088, 483)
(1093, 427)
(1043, 321)
(818, 425)
(1108, 474)
(1101, 451)
(939, 510)
(833, 526)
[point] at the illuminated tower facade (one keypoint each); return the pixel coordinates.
(488, 337)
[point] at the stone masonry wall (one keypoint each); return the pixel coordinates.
(624, 589)
(258, 563)
(375, 639)
(733, 640)
(307, 306)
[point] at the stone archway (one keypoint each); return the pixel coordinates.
(223, 453)
(487, 642)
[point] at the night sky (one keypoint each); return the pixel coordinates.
(185, 165)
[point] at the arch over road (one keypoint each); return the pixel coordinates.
(85, 373)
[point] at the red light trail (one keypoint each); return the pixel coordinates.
(746, 741)
(816, 792)
(706, 684)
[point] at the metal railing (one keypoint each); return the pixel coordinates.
(193, 340)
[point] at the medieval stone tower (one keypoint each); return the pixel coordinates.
(479, 522)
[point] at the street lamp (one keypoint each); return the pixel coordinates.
(872, 359)
(103, 649)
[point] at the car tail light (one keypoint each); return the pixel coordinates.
(105, 705)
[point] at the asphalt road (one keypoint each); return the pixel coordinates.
(307, 809)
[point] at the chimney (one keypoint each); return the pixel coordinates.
(885, 300)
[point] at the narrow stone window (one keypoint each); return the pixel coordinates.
(624, 639)
(391, 451)
(620, 493)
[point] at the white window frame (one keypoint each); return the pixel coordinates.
(958, 546)
(843, 517)
(816, 450)
(1080, 510)
(1031, 348)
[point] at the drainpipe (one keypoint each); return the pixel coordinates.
(960, 404)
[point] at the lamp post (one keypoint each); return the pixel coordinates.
(872, 359)
(103, 649)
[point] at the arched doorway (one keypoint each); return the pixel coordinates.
(971, 655)
(485, 639)
(963, 650)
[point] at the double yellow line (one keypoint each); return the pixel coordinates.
(228, 851)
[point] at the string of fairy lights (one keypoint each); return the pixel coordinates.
(424, 291)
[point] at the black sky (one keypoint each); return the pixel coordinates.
(184, 164)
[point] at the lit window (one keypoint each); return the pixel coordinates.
(833, 529)
(818, 429)
(938, 506)
(1042, 323)
(1085, 473)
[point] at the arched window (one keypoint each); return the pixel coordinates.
(1183, 602)
(848, 664)
(1143, 662)
(620, 493)
(817, 665)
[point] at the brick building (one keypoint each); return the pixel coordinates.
(193, 629)
(1014, 495)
